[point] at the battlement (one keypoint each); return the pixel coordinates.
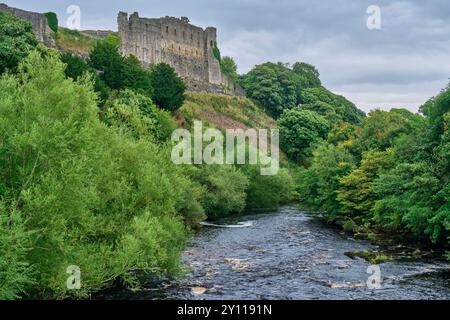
(186, 47)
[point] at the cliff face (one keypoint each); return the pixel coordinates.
(38, 20)
(187, 48)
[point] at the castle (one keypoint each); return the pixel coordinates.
(38, 21)
(187, 48)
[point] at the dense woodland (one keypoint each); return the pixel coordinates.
(86, 177)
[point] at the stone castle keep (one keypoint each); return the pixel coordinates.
(187, 48)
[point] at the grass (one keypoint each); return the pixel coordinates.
(223, 112)
(74, 40)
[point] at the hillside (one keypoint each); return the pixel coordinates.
(222, 112)
(75, 41)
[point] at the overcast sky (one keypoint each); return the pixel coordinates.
(401, 65)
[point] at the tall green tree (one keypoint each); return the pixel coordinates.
(273, 86)
(299, 130)
(169, 88)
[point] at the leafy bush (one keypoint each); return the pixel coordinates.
(16, 41)
(299, 129)
(140, 116)
(80, 184)
(267, 192)
(225, 189)
(16, 275)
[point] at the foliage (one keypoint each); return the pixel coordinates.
(169, 88)
(77, 67)
(273, 86)
(356, 189)
(330, 105)
(69, 40)
(140, 115)
(16, 275)
(391, 172)
(16, 41)
(93, 196)
(299, 129)
(267, 192)
(52, 20)
(308, 75)
(216, 52)
(229, 68)
(225, 189)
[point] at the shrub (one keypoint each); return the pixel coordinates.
(168, 87)
(91, 194)
(225, 189)
(16, 41)
(268, 192)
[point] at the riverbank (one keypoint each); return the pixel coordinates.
(288, 254)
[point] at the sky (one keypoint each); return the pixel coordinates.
(402, 64)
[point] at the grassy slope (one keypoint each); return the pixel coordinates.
(222, 112)
(74, 41)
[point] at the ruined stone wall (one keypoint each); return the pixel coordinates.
(187, 48)
(38, 20)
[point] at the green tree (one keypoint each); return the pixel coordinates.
(330, 105)
(105, 58)
(16, 41)
(139, 114)
(273, 86)
(308, 76)
(299, 130)
(52, 20)
(83, 193)
(77, 67)
(169, 88)
(229, 68)
(225, 190)
(356, 189)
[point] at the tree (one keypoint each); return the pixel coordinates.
(308, 76)
(273, 86)
(168, 87)
(229, 68)
(16, 41)
(299, 130)
(337, 108)
(105, 57)
(76, 67)
(135, 77)
(356, 189)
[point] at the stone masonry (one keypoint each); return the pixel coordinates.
(38, 20)
(187, 48)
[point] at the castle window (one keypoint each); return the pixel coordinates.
(167, 29)
(192, 36)
(184, 35)
(175, 31)
(212, 43)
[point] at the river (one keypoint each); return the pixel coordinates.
(289, 254)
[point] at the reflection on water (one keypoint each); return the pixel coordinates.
(289, 255)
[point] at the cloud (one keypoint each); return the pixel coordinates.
(403, 64)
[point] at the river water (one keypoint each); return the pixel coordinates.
(288, 254)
